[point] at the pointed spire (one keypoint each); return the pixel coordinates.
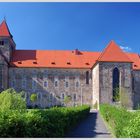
(4, 30)
(113, 53)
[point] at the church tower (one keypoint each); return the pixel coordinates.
(7, 46)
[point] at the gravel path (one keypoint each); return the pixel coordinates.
(92, 127)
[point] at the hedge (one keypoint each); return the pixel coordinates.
(132, 130)
(118, 118)
(53, 122)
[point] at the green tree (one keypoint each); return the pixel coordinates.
(33, 99)
(67, 99)
(10, 99)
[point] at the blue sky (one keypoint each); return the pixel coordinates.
(67, 26)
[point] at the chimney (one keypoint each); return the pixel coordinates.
(76, 51)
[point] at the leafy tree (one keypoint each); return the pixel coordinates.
(67, 99)
(33, 97)
(10, 99)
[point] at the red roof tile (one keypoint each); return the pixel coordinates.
(136, 60)
(4, 30)
(62, 59)
(54, 59)
(113, 53)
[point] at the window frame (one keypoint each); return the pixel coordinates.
(62, 96)
(87, 78)
(34, 84)
(44, 85)
(66, 84)
(74, 97)
(2, 42)
(77, 81)
(24, 81)
(56, 83)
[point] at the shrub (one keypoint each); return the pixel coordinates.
(117, 118)
(53, 122)
(10, 99)
(33, 97)
(132, 130)
(67, 99)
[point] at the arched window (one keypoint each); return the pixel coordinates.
(2, 42)
(87, 77)
(66, 84)
(24, 83)
(116, 83)
(34, 84)
(133, 83)
(56, 83)
(74, 97)
(62, 96)
(45, 84)
(77, 83)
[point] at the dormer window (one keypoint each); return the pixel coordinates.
(2, 43)
(68, 63)
(87, 63)
(34, 62)
(19, 62)
(53, 63)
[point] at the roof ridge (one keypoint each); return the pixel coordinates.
(126, 55)
(102, 53)
(58, 50)
(107, 54)
(5, 29)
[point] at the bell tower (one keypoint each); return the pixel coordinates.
(7, 46)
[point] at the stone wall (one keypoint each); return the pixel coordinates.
(105, 78)
(6, 49)
(136, 88)
(31, 80)
(3, 74)
(5, 56)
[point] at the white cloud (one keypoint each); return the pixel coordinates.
(126, 48)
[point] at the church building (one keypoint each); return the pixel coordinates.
(71, 77)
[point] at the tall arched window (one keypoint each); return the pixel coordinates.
(133, 83)
(87, 77)
(116, 83)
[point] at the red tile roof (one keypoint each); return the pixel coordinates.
(113, 53)
(54, 59)
(4, 30)
(136, 60)
(72, 59)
